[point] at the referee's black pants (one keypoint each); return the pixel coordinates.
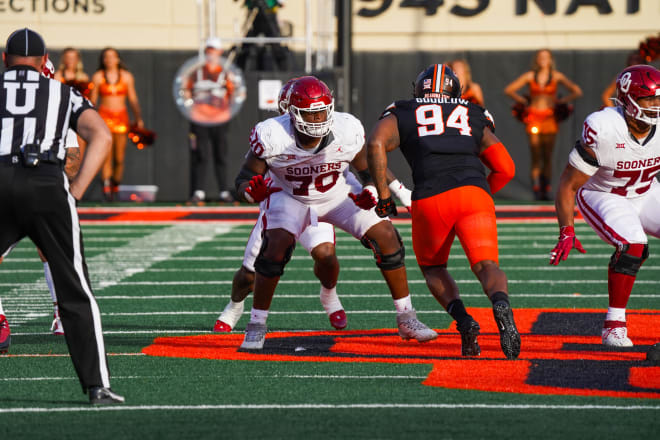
(35, 202)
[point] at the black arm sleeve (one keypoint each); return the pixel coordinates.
(584, 155)
(365, 176)
(243, 176)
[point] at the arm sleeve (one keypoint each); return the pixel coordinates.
(387, 111)
(581, 161)
(498, 160)
(579, 158)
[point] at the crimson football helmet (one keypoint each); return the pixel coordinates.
(436, 81)
(48, 70)
(637, 82)
(282, 99)
(309, 94)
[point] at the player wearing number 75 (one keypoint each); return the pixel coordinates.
(612, 170)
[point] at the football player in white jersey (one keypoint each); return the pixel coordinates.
(317, 240)
(613, 170)
(305, 154)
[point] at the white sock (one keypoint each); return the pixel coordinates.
(615, 314)
(258, 316)
(49, 281)
(235, 305)
(330, 300)
(403, 305)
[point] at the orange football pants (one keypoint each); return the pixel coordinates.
(468, 212)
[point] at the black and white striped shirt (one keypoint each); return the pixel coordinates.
(36, 109)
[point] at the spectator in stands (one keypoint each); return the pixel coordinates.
(208, 141)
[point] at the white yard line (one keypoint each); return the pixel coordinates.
(452, 406)
(108, 269)
(275, 376)
(215, 296)
(349, 282)
(367, 256)
(49, 355)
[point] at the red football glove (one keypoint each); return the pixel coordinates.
(567, 241)
(366, 199)
(260, 189)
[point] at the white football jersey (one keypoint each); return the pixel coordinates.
(315, 175)
(625, 166)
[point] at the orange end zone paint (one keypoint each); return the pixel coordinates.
(561, 364)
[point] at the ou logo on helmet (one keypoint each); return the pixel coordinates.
(624, 82)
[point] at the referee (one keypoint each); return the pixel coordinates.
(37, 201)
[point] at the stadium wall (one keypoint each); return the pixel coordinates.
(378, 79)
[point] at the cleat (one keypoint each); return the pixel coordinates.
(104, 396)
(226, 197)
(615, 334)
(229, 317)
(5, 335)
(411, 328)
(338, 319)
(197, 198)
(509, 336)
(469, 332)
(221, 327)
(255, 336)
(56, 327)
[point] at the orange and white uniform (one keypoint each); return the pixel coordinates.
(117, 120)
(541, 120)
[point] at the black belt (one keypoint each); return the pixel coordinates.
(45, 157)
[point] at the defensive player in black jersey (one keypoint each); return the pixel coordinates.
(446, 140)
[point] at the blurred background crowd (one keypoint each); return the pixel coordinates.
(181, 108)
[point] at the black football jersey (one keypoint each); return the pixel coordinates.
(441, 140)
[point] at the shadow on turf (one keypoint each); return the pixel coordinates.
(83, 402)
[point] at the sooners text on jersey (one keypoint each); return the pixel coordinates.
(315, 175)
(626, 167)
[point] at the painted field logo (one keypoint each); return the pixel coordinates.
(561, 353)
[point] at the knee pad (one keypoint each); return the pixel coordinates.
(270, 268)
(386, 261)
(625, 262)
